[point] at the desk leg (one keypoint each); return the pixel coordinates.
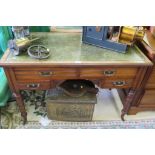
(127, 104)
(21, 106)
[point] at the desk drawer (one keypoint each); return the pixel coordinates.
(120, 83)
(148, 98)
(151, 82)
(108, 72)
(28, 74)
(34, 85)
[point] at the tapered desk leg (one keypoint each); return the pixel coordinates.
(21, 106)
(127, 104)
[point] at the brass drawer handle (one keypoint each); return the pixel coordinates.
(44, 73)
(109, 72)
(119, 83)
(33, 85)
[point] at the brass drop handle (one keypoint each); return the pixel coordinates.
(33, 85)
(119, 83)
(46, 73)
(109, 72)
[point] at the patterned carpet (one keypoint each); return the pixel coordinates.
(37, 119)
(140, 124)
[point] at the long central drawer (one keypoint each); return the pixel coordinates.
(151, 82)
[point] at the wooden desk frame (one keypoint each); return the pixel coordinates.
(133, 73)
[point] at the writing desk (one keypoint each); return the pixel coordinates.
(70, 59)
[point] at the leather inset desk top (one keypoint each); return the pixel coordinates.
(67, 48)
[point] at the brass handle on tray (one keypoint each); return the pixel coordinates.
(98, 28)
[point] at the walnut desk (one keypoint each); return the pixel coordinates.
(70, 59)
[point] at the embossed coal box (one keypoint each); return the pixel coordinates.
(64, 107)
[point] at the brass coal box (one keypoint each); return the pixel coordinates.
(63, 107)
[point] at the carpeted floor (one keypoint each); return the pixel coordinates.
(106, 116)
(44, 123)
